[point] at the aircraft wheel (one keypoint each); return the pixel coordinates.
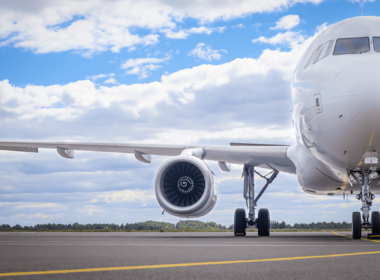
(375, 220)
(263, 227)
(240, 223)
(356, 225)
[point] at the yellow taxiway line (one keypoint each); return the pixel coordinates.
(181, 264)
(377, 241)
(340, 234)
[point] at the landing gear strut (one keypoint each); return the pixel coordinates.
(262, 223)
(366, 198)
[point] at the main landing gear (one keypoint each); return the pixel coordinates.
(262, 222)
(366, 197)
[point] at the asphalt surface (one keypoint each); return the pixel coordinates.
(27, 252)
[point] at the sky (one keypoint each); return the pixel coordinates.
(162, 72)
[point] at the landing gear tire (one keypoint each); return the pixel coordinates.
(240, 223)
(375, 220)
(263, 225)
(356, 225)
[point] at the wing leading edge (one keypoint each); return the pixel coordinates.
(271, 157)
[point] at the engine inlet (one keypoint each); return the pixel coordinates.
(183, 184)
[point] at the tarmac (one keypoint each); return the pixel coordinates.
(184, 255)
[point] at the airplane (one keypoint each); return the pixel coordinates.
(335, 111)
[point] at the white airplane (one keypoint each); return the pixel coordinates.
(336, 113)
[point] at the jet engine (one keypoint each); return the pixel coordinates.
(185, 187)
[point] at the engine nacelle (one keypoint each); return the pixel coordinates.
(185, 187)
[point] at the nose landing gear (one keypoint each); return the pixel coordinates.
(366, 198)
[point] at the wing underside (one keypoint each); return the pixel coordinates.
(261, 155)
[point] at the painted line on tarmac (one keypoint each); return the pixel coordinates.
(100, 269)
(341, 234)
(376, 241)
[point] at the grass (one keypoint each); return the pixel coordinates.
(175, 230)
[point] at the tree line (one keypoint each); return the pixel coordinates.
(319, 225)
(148, 225)
(181, 225)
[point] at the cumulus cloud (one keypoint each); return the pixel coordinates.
(293, 39)
(110, 80)
(182, 34)
(290, 38)
(123, 196)
(244, 100)
(143, 66)
(287, 22)
(182, 87)
(37, 205)
(97, 26)
(205, 52)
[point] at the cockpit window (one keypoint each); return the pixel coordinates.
(312, 57)
(351, 46)
(376, 44)
(325, 51)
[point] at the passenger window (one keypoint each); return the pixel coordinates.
(325, 51)
(351, 46)
(311, 59)
(376, 44)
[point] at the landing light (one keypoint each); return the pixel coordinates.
(373, 175)
(371, 158)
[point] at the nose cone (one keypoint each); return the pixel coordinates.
(356, 99)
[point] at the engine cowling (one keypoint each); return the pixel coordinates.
(185, 187)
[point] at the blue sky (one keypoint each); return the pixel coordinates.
(202, 72)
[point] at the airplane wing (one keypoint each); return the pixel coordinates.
(260, 155)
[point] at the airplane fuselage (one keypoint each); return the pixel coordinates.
(336, 106)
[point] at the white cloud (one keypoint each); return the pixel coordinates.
(182, 34)
(181, 87)
(123, 196)
(100, 76)
(111, 80)
(293, 39)
(240, 25)
(143, 66)
(205, 105)
(96, 26)
(205, 52)
(287, 22)
(38, 205)
(289, 37)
